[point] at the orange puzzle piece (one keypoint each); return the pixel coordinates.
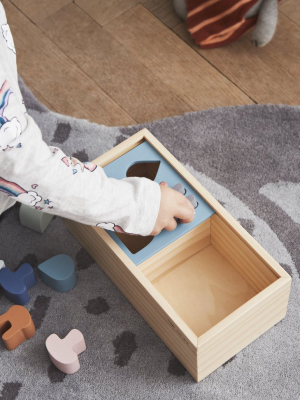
(16, 326)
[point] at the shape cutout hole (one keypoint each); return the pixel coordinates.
(134, 243)
(143, 169)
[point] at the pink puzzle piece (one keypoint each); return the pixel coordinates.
(64, 352)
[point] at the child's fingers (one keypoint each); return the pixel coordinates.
(185, 211)
(188, 220)
(171, 225)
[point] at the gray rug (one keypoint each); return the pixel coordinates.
(248, 157)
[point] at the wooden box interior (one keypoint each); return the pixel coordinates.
(206, 274)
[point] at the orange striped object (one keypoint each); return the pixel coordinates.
(215, 23)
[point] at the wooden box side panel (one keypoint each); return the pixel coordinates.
(242, 327)
(256, 271)
(138, 296)
(178, 251)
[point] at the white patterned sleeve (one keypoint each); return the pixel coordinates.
(44, 177)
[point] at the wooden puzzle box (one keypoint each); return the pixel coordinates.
(208, 289)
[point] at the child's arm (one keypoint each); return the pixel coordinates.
(47, 179)
(44, 177)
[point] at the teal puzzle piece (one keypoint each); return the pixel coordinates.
(58, 272)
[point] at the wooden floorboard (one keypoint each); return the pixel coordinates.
(291, 8)
(37, 10)
(41, 98)
(117, 70)
(163, 10)
(267, 75)
(173, 61)
(104, 11)
(121, 62)
(57, 78)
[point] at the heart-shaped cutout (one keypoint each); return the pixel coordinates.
(144, 169)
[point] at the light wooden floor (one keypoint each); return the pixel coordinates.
(121, 62)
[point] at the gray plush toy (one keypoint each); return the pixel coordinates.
(263, 12)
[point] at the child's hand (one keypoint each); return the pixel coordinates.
(172, 205)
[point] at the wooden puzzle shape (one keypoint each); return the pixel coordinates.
(16, 326)
(144, 160)
(64, 352)
(34, 219)
(180, 188)
(193, 200)
(58, 272)
(16, 284)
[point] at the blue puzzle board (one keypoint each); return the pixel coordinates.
(146, 153)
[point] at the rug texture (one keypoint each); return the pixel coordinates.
(248, 157)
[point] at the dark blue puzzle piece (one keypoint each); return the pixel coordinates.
(15, 285)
